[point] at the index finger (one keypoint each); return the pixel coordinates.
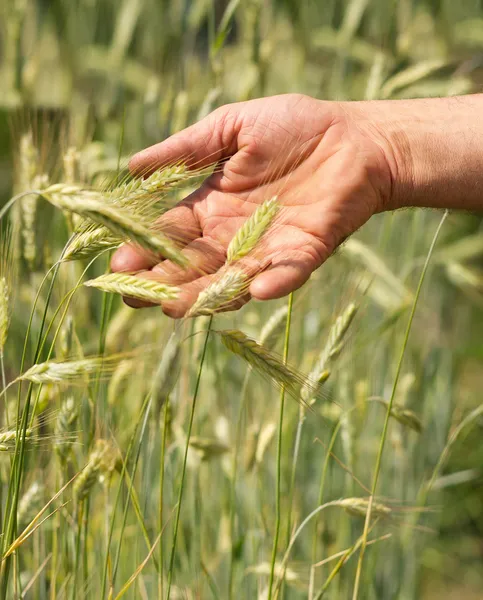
(200, 145)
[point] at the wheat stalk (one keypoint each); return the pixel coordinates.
(134, 287)
(4, 311)
(358, 507)
(90, 241)
(117, 383)
(63, 372)
(64, 428)
(404, 416)
(274, 327)
(118, 220)
(260, 358)
(9, 438)
(137, 195)
(138, 189)
(8, 273)
(71, 163)
(320, 372)
(219, 293)
(101, 463)
(250, 233)
(26, 180)
(29, 504)
(167, 372)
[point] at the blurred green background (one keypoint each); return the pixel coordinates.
(139, 70)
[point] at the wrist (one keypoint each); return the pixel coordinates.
(433, 149)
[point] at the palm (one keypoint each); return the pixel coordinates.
(296, 156)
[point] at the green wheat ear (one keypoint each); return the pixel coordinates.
(248, 236)
(134, 287)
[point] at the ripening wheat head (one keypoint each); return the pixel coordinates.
(119, 221)
(69, 371)
(134, 287)
(223, 290)
(8, 271)
(260, 358)
(139, 196)
(251, 232)
(358, 507)
(101, 463)
(334, 344)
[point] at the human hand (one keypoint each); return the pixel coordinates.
(330, 174)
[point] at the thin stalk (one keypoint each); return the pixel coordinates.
(4, 386)
(161, 496)
(144, 407)
(80, 511)
(278, 497)
(185, 459)
(320, 498)
(389, 408)
(298, 438)
(6, 207)
(130, 481)
(18, 459)
(234, 472)
(343, 559)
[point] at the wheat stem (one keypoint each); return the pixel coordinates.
(278, 497)
(185, 459)
(389, 408)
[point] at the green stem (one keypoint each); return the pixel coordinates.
(161, 496)
(389, 408)
(185, 459)
(233, 478)
(315, 538)
(80, 511)
(130, 483)
(278, 496)
(21, 428)
(4, 386)
(144, 408)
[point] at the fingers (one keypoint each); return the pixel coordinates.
(285, 276)
(289, 270)
(200, 145)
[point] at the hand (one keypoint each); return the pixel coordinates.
(331, 174)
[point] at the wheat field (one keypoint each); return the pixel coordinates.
(325, 445)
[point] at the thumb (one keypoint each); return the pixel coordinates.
(206, 142)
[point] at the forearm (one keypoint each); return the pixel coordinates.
(434, 148)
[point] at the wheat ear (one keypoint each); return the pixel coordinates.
(136, 195)
(274, 327)
(358, 507)
(260, 358)
(331, 350)
(134, 287)
(64, 429)
(404, 416)
(101, 462)
(63, 372)
(8, 439)
(167, 372)
(30, 504)
(227, 288)
(250, 233)
(118, 220)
